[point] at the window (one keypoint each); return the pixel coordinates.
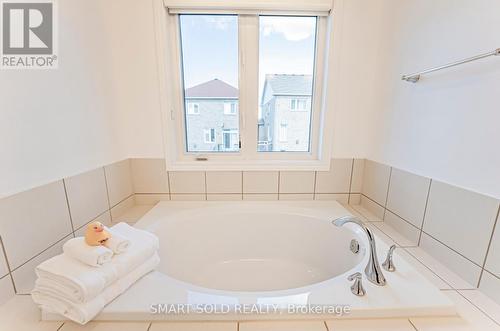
(209, 136)
(209, 49)
(283, 78)
(255, 82)
(283, 133)
(230, 108)
(298, 104)
(193, 108)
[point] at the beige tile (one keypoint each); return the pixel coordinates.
(484, 303)
(106, 326)
(469, 318)
(4, 270)
(493, 259)
(405, 233)
(188, 197)
(21, 314)
(454, 269)
(150, 199)
(337, 179)
(421, 268)
(371, 210)
(408, 196)
(396, 324)
(6, 289)
(224, 182)
(380, 236)
(224, 197)
(38, 217)
(24, 276)
(490, 285)
(133, 214)
(358, 169)
(87, 196)
(295, 197)
(354, 212)
(187, 182)
(376, 181)
(119, 181)
(296, 182)
(121, 208)
(354, 198)
(342, 198)
(282, 326)
(105, 219)
(454, 214)
(149, 176)
(194, 326)
(260, 197)
(260, 182)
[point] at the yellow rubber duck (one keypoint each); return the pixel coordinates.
(96, 235)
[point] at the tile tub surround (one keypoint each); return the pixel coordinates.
(407, 207)
(43, 218)
(455, 226)
(125, 190)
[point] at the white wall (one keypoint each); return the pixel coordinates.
(447, 126)
(56, 123)
(359, 39)
(102, 104)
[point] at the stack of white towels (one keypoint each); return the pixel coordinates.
(80, 282)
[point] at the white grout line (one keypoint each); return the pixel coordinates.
(489, 246)
(387, 195)
(350, 182)
(425, 211)
(68, 206)
(409, 321)
(478, 308)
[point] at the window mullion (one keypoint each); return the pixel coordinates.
(248, 49)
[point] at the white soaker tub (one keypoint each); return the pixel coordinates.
(279, 254)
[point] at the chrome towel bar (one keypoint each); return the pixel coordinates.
(416, 76)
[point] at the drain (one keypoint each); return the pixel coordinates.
(354, 246)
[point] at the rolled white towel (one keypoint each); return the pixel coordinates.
(94, 256)
(117, 243)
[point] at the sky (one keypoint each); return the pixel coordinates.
(210, 47)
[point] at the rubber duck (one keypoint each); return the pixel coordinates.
(96, 235)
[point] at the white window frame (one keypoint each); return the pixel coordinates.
(230, 108)
(297, 101)
(209, 133)
(191, 107)
(248, 158)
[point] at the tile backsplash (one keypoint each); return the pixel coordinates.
(454, 226)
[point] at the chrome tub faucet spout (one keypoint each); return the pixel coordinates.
(372, 271)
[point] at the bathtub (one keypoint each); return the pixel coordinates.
(220, 259)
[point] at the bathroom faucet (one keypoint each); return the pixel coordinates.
(372, 270)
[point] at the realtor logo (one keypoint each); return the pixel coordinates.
(28, 35)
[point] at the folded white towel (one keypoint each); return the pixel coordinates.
(94, 256)
(117, 243)
(83, 313)
(77, 282)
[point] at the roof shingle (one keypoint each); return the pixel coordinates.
(214, 88)
(283, 84)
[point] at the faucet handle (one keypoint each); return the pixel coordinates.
(389, 262)
(357, 288)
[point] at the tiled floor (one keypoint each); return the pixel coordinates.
(475, 310)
